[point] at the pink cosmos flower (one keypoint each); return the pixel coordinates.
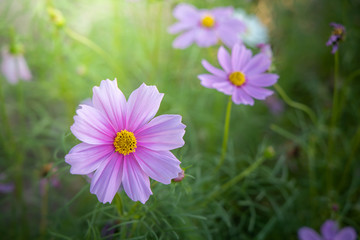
(266, 49)
(243, 76)
(123, 143)
(205, 27)
(329, 231)
(14, 67)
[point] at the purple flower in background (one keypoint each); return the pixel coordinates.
(14, 67)
(337, 35)
(180, 176)
(5, 187)
(265, 49)
(123, 143)
(275, 105)
(243, 76)
(329, 231)
(205, 27)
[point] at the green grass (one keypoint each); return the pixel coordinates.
(256, 194)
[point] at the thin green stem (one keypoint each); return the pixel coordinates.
(226, 133)
(294, 104)
(333, 122)
(119, 204)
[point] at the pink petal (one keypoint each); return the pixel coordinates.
(163, 133)
(263, 80)
(185, 39)
(205, 38)
(224, 59)
(135, 182)
(207, 80)
(239, 57)
(142, 106)
(111, 102)
(179, 27)
(329, 229)
(92, 127)
(258, 64)
(210, 68)
(306, 233)
(257, 92)
(185, 12)
(224, 87)
(24, 72)
(241, 97)
(222, 12)
(107, 178)
(86, 158)
(8, 67)
(347, 233)
(161, 166)
(228, 36)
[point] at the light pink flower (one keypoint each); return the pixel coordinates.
(205, 27)
(266, 49)
(180, 176)
(243, 76)
(123, 143)
(14, 67)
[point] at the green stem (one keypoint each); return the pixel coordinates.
(119, 204)
(236, 179)
(294, 104)
(333, 122)
(44, 208)
(226, 133)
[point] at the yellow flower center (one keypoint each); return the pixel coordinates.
(125, 142)
(338, 31)
(237, 78)
(208, 21)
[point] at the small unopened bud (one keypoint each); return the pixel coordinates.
(56, 17)
(269, 152)
(180, 176)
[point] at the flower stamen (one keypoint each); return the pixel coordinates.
(208, 21)
(125, 142)
(237, 78)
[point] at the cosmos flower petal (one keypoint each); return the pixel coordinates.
(329, 229)
(207, 80)
(163, 133)
(92, 127)
(217, 72)
(306, 233)
(263, 80)
(222, 11)
(161, 166)
(258, 64)
(227, 36)
(239, 56)
(111, 102)
(347, 233)
(184, 40)
(185, 11)
(224, 87)
(257, 92)
(24, 72)
(107, 178)
(240, 96)
(8, 68)
(205, 38)
(224, 59)
(142, 106)
(86, 158)
(135, 182)
(179, 27)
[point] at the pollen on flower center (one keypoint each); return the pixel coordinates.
(237, 78)
(125, 142)
(208, 21)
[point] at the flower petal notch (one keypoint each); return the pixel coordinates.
(205, 27)
(123, 144)
(242, 76)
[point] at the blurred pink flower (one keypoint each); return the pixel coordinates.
(180, 176)
(265, 49)
(205, 27)
(243, 76)
(337, 35)
(123, 144)
(14, 67)
(275, 105)
(5, 187)
(329, 231)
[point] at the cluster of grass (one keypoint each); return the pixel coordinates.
(279, 174)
